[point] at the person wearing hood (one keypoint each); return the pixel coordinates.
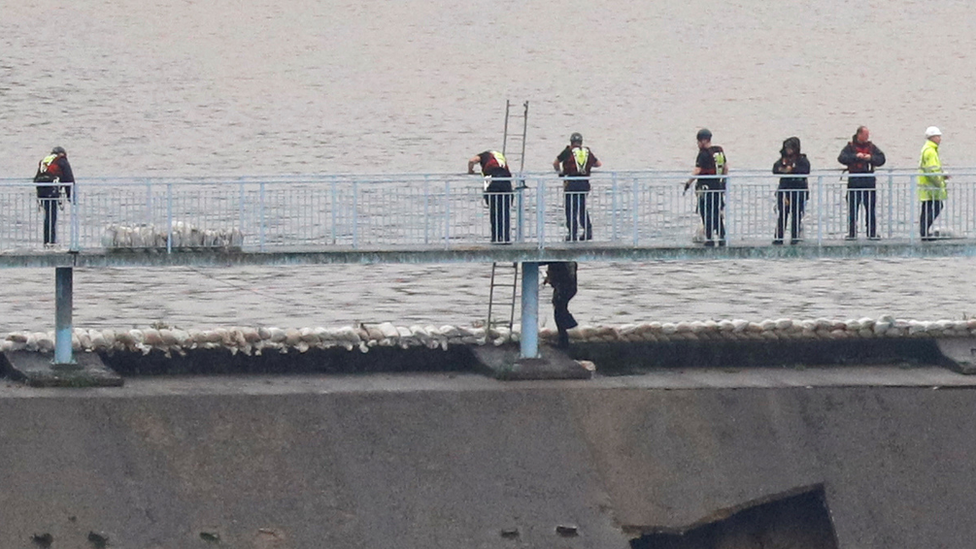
(861, 157)
(792, 194)
(932, 184)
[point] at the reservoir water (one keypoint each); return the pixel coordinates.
(243, 87)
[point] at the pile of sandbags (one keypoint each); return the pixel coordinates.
(363, 337)
(771, 330)
(184, 236)
(251, 340)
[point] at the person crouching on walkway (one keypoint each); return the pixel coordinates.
(561, 275)
(574, 164)
(711, 161)
(932, 185)
(791, 196)
(498, 193)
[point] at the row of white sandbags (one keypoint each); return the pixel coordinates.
(183, 235)
(784, 328)
(255, 340)
(365, 336)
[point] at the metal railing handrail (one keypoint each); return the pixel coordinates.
(420, 176)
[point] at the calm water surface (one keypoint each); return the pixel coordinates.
(259, 87)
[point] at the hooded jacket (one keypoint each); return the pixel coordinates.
(799, 165)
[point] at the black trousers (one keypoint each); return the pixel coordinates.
(790, 203)
(576, 216)
(710, 206)
(50, 206)
(855, 198)
(500, 212)
(930, 210)
(560, 311)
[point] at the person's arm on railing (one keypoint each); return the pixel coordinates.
(694, 175)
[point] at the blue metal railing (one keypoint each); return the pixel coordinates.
(438, 211)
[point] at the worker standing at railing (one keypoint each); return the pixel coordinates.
(861, 156)
(53, 171)
(791, 196)
(711, 161)
(931, 188)
(498, 192)
(574, 164)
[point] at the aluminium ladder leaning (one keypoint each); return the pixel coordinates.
(501, 304)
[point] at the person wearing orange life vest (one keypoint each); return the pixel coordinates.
(861, 157)
(498, 192)
(711, 162)
(53, 172)
(574, 164)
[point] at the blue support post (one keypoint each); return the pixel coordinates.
(63, 296)
(530, 310)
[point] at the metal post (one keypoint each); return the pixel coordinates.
(355, 213)
(169, 218)
(613, 207)
(891, 205)
(540, 213)
(75, 226)
(261, 230)
(426, 209)
(530, 310)
(520, 210)
(910, 200)
(63, 291)
(334, 208)
(820, 210)
(447, 214)
(635, 201)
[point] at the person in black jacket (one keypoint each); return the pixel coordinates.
(561, 275)
(861, 156)
(791, 196)
(53, 171)
(498, 193)
(575, 164)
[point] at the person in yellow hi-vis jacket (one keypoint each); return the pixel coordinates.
(932, 184)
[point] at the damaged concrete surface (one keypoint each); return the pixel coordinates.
(458, 460)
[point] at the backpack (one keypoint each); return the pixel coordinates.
(48, 171)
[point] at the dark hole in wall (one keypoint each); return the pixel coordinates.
(799, 522)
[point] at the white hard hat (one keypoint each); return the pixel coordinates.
(932, 131)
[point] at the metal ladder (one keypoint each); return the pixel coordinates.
(502, 296)
(501, 310)
(516, 139)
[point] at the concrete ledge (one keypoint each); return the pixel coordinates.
(484, 253)
(504, 363)
(38, 370)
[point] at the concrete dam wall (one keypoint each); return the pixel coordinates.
(460, 461)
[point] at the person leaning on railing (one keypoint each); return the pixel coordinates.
(498, 192)
(931, 188)
(53, 171)
(861, 156)
(791, 196)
